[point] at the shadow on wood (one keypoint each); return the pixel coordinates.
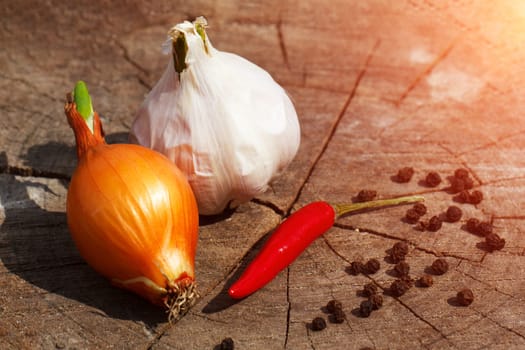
(36, 246)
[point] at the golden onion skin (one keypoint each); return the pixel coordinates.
(133, 217)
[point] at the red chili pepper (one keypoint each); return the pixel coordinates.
(293, 236)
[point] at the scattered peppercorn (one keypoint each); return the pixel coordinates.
(227, 344)
(366, 308)
(439, 266)
(318, 324)
(398, 252)
(463, 197)
(366, 195)
(472, 225)
(400, 247)
(402, 268)
(372, 266)
(334, 305)
(404, 174)
(465, 297)
(461, 173)
(369, 289)
(376, 300)
(399, 287)
(339, 316)
(453, 214)
(412, 216)
(468, 183)
(484, 228)
(425, 281)
(434, 224)
(421, 226)
(471, 198)
(408, 280)
(420, 208)
(355, 268)
(433, 179)
(456, 185)
(475, 197)
(479, 228)
(494, 242)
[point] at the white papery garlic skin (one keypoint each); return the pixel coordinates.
(222, 120)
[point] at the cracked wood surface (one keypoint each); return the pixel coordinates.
(378, 85)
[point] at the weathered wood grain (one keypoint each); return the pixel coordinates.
(378, 85)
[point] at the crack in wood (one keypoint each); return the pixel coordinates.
(493, 143)
(32, 172)
(308, 336)
(496, 289)
(336, 123)
(288, 309)
(269, 205)
(31, 87)
(509, 329)
(161, 332)
(41, 268)
(136, 65)
(282, 44)
(428, 70)
(462, 162)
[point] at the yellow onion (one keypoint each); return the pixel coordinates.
(131, 213)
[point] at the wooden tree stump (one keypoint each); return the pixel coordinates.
(378, 85)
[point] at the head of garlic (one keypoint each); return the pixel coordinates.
(220, 118)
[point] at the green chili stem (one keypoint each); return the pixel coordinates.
(347, 208)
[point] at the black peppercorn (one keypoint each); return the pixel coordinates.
(399, 287)
(369, 289)
(355, 268)
(398, 252)
(366, 308)
(432, 179)
(468, 183)
(376, 300)
(472, 225)
(439, 266)
(475, 197)
(453, 214)
(404, 174)
(421, 226)
(465, 297)
(425, 281)
(338, 316)
(227, 344)
(412, 216)
(494, 242)
(366, 195)
(318, 324)
(408, 280)
(372, 266)
(420, 208)
(461, 173)
(462, 197)
(400, 248)
(484, 228)
(402, 268)
(456, 185)
(334, 305)
(434, 224)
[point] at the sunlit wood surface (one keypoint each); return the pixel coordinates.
(378, 85)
